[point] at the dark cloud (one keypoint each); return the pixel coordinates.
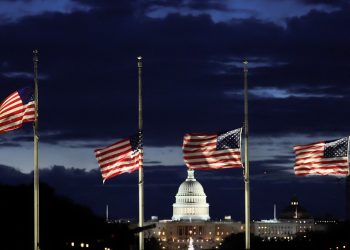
(208, 5)
(327, 2)
(192, 82)
(190, 62)
(193, 4)
(4, 142)
(118, 8)
(152, 162)
(23, 138)
(92, 146)
(161, 185)
(9, 144)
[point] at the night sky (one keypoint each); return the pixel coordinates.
(299, 73)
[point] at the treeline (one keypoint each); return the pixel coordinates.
(63, 223)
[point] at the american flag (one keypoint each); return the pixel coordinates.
(322, 158)
(124, 156)
(213, 150)
(17, 108)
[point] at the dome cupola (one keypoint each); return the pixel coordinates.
(191, 201)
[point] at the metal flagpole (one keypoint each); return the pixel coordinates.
(36, 161)
(246, 160)
(141, 206)
(107, 219)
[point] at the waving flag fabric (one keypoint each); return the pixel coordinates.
(16, 109)
(213, 150)
(124, 156)
(322, 158)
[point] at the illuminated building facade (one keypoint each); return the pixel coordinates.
(191, 201)
(204, 234)
(283, 228)
(190, 225)
(293, 220)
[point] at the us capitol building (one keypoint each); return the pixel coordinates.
(190, 226)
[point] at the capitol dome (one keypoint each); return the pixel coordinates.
(191, 201)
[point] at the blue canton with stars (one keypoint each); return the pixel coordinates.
(336, 148)
(136, 141)
(26, 94)
(229, 140)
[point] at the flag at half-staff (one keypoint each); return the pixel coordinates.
(124, 156)
(213, 150)
(17, 108)
(322, 158)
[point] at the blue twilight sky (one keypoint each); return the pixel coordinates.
(298, 54)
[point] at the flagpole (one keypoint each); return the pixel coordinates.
(246, 160)
(107, 219)
(36, 157)
(141, 182)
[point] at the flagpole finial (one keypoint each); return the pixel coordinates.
(245, 62)
(35, 55)
(139, 61)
